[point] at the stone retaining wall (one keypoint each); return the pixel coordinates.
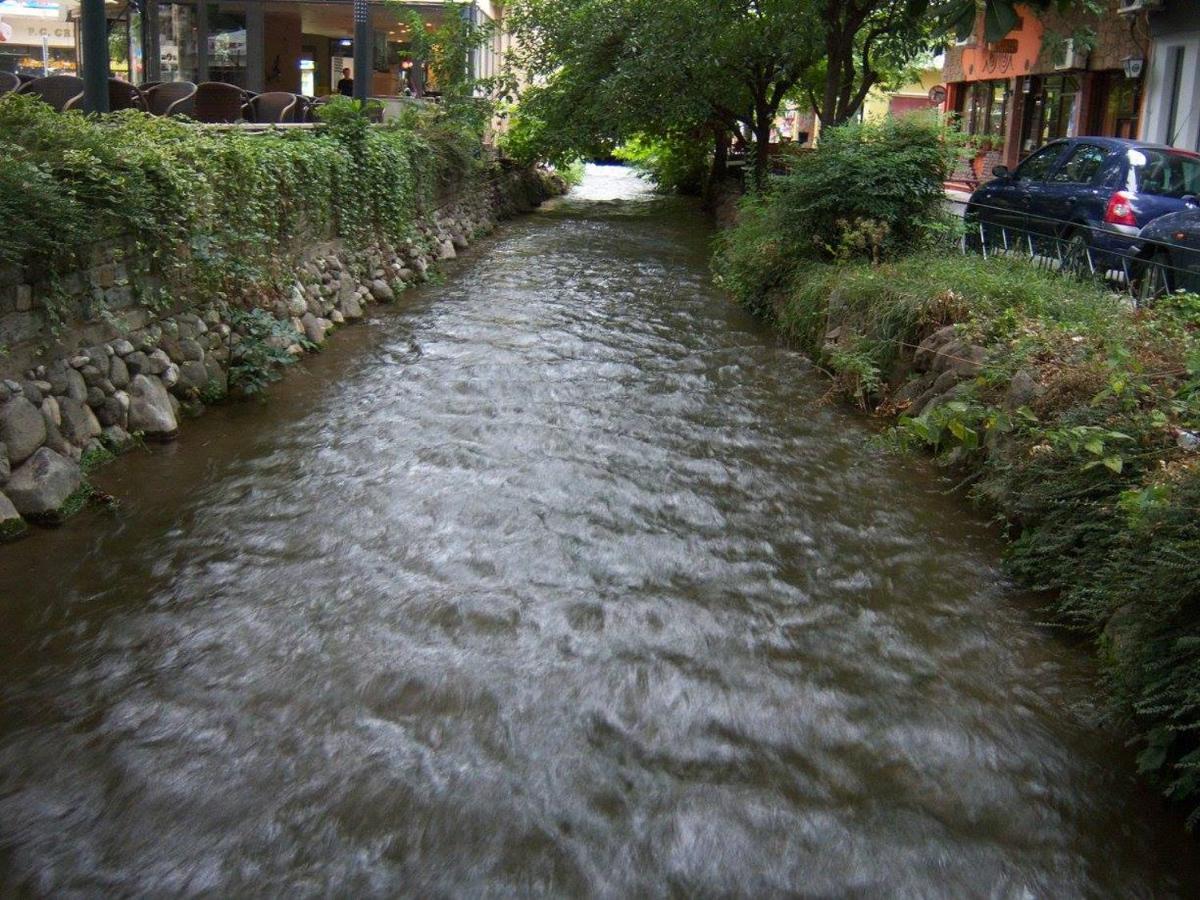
(130, 374)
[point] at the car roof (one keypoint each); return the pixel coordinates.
(1126, 144)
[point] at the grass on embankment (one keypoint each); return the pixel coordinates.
(1077, 429)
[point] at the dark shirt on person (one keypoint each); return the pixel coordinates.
(346, 87)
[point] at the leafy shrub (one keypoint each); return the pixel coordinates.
(868, 190)
(262, 350)
(524, 140)
(572, 173)
(676, 165)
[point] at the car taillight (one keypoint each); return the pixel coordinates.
(1120, 209)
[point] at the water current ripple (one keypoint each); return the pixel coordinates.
(556, 578)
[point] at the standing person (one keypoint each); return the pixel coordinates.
(346, 84)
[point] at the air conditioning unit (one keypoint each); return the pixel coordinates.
(1071, 58)
(1133, 7)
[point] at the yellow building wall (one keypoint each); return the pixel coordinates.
(878, 102)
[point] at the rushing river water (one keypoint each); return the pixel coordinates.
(556, 578)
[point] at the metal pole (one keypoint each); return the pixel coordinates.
(95, 56)
(362, 50)
(153, 58)
(202, 41)
(256, 38)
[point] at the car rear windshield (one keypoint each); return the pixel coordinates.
(1165, 173)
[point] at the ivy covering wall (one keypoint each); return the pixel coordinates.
(214, 209)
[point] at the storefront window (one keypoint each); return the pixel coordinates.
(1051, 114)
(987, 109)
(43, 37)
(177, 45)
(125, 58)
(226, 45)
(137, 50)
(1116, 115)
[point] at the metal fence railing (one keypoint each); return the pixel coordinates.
(1143, 268)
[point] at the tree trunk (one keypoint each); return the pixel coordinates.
(719, 169)
(762, 150)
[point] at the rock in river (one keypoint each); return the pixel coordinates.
(11, 523)
(150, 409)
(42, 484)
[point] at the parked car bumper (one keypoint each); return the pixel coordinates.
(1113, 246)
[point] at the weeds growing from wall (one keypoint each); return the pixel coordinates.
(207, 211)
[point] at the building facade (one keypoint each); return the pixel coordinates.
(1172, 107)
(916, 96)
(301, 46)
(1052, 76)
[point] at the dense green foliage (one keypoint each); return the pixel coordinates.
(605, 71)
(209, 209)
(1094, 470)
(869, 190)
(675, 165)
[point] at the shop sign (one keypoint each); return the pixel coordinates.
(31, 31)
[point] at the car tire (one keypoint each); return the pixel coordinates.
(1155, 279)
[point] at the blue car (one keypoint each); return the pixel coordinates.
(1084, 199)
(1168, 253)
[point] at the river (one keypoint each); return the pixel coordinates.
(558, 577)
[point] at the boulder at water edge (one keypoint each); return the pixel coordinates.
(11, 523)
(42, 484)
(150, 410)
(22, 428)
(79, 423)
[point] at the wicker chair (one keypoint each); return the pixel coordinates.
(273, 107)
(303, 110)
(123, 95)
(312, 114)
(63, 92)
(171, 98)
(9, 82)
(219, 102)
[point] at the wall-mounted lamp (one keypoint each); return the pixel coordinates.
(1133, 66)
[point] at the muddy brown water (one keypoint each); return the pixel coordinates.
(556, 578)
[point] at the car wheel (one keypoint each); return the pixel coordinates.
(1077, 255)
(1155, 280)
